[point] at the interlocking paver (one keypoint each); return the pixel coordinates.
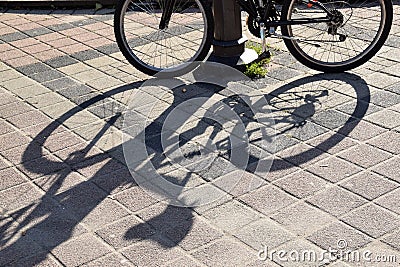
(263, 232)
(268, 199)
(337, 231)
(225, 252)
(372, 220)
(336, 201)
(80, 250)
(364, 155)
(231, 215)
(390, 201)
(369, 185)
(389, 141)
(333, 169)
(389, 168)
(302, 218)
(301, 184)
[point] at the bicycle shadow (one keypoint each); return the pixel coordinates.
(56, 216)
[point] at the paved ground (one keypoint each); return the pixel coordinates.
(66, 197)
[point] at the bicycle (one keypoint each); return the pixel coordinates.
(326, 35)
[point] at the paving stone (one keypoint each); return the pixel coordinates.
(235, 254)
(31, 91)
(135, 198)
(333, 169)
(5, 127)
(393, 239)
(369, 185)
(239, 182)
(329, 236)
(364, 155)
(125, 232)
(109, 260)
(17, 83)
(87, 55)
(372, 220)
(330, 119)
(380, 80)
(5, 100)
(361, 130)
(46, 76)
(263, 232)
(358, 109)
(302, 218)
(388, 141)
(395, 88)
(80, 250)
(10, 37)
(301, 184)
(186, 261)
(60, 27)
(28, 119)
(3, 164)
(385, 99)
(199, 233)
(306, 131)
(13, 139)
(62, 61)
(115, 181)
(390, 201)
(34, 68)
(231, 215)
(61, 83)
(37, 32)
(301, 155)
(8, 75)
(10, 177)
(45, 100)
(41, 259)
(268, 199)
(389, 168)
(386, 118)
(19, 196)
(279, 168)
(336, 201)
(61, 140)
(18, 249)
(163, 248)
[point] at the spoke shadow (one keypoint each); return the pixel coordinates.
(55, 217)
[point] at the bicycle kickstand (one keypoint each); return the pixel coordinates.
(265, 53)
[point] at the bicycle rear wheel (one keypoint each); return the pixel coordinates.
(151, 47)
(360, 31)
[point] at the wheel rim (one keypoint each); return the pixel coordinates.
(170, 48)
(363, 25)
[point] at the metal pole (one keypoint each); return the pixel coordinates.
(229, 43)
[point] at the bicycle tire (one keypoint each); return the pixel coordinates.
(345, 56)
(181, 48)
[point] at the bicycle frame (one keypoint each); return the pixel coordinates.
(254, 9)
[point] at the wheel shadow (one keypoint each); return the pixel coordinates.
(54, 218)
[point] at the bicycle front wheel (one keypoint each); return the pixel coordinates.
(153, 40)
(358, 31)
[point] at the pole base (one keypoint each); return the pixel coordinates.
(248, 56)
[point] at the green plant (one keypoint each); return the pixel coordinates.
(257, 68)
